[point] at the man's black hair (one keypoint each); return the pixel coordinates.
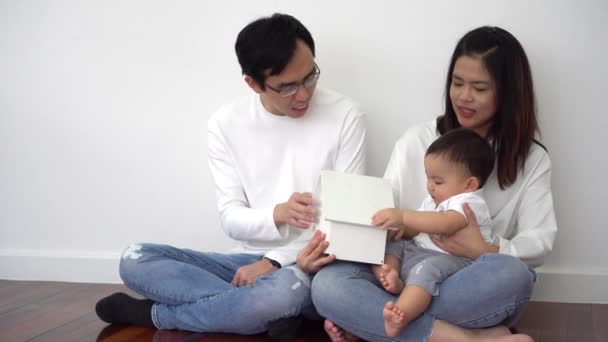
(268, 44)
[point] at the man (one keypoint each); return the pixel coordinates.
(265, 155)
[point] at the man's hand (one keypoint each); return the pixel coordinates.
(246, 275)
(311, 258)
(297, 211)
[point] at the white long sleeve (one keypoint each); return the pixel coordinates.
(523, 218)
(239, 221)
(531, 233)
(258, 160)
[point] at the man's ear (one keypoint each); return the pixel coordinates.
(472, 184)
(253, 85)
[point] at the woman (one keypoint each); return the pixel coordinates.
(489, 90)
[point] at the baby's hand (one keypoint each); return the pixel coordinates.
(387, 218)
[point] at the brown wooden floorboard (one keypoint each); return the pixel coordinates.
(45, 313)
(17, 294)
(599, 317)
(54, 311)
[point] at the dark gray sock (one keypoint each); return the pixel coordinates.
(120, 308)
(285, 329)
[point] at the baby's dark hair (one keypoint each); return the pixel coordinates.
(467, 148)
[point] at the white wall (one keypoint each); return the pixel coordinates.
(103, 110)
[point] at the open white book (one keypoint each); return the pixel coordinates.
(348, 203)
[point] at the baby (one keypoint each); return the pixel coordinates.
(457, 165)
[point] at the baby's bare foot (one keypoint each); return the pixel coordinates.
(390, 280)
(394, 319)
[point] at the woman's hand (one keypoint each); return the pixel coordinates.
(467, 242)
(312, 258)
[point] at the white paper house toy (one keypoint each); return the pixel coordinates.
(348, 203)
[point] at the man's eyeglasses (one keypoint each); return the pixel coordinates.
(307, 82)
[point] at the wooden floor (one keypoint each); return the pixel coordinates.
(51, 311)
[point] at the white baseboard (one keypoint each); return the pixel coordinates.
(76, 267)
(551, 286)
(571, 287)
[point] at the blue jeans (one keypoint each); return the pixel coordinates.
(192, 290)
(493, 290)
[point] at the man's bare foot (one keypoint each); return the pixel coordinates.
(390, 280)
(394, 319)
(337, 334)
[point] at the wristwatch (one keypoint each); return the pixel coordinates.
(274, 262)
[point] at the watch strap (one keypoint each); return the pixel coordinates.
(274, 262)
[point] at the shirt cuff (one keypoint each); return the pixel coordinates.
(282, 259)
(278, 233)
